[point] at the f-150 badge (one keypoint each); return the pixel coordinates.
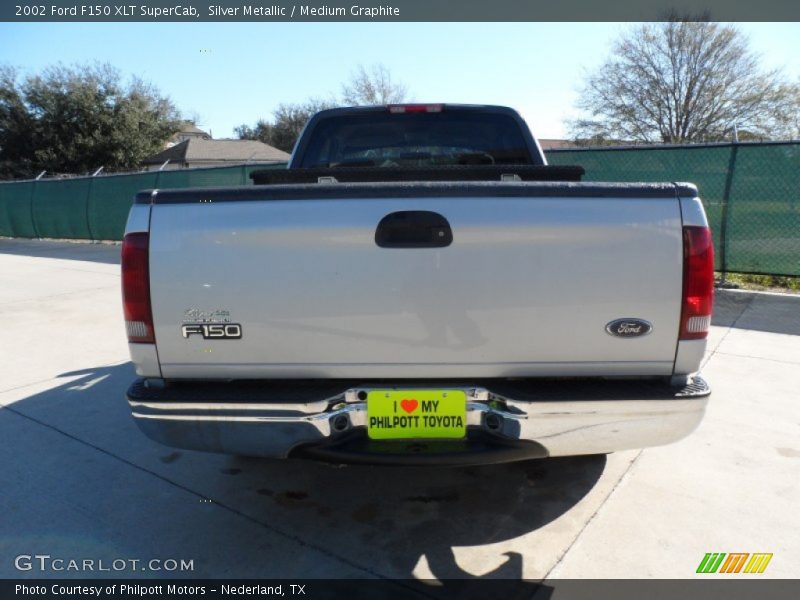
(627, 328)
(213, 331)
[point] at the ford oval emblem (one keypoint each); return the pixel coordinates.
(628, 328)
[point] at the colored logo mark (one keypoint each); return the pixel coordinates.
(734, 562)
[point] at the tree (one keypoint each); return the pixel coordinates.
(685, 81)
(289, 120)
(373, 85)
(76, 119)
(261, 131)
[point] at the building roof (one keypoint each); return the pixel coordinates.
(198, 150)
(188, 130)
(553, 144)
(189, 127)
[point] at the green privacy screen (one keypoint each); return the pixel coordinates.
(110, 201)
(751, 193)
(763, 221)
(59, 208)
(16, 216)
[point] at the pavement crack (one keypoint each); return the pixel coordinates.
(591, 519)
(725, 336)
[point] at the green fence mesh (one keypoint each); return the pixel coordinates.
(184, 178)
(751, 193)
(110, 201)
(60, 208)
(763, 220)
(16, 216)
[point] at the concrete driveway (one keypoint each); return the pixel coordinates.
(78, 480)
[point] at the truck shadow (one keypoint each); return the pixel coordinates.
(407, 521)
(403, 522)
(771, 313)
(412, 520)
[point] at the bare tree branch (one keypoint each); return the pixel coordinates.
(684, 81)
(373, 85)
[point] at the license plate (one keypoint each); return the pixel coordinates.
(410, 414)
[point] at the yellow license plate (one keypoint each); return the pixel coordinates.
(409, 414)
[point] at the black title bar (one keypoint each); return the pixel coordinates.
(395, 10)
(730, 588)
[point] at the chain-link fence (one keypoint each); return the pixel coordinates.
(96, 208)
(751, 192)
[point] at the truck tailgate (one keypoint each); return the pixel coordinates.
(526, 288)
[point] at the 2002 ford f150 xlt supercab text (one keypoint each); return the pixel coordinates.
(418, 286)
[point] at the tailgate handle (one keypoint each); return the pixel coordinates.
(413, 229)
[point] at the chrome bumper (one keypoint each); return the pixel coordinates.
(535, 417)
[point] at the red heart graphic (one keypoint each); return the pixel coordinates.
(409, 405)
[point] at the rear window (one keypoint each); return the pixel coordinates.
(377, 139)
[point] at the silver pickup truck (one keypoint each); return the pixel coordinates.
(418, 286)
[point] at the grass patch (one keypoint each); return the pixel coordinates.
(773, 283)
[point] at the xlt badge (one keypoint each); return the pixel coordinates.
(213, 331)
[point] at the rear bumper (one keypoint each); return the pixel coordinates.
(506, 420)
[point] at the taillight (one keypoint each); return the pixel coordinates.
(414, 108)
(698, 283)
(136, 288)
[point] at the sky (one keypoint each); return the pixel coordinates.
(226, 74)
